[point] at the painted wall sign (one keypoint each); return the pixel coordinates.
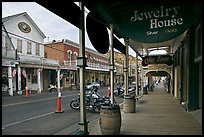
(156, 24)
(8, 63)
(24, 27)
(161, 59)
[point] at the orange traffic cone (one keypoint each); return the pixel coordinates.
(59, 110)
(109, 93)
(26, 91)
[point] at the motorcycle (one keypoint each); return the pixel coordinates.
(52, 88)
(119, 91)
(93, 101)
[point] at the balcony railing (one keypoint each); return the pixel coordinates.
(73, 65)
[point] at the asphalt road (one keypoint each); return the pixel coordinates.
(35, 114)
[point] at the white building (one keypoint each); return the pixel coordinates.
(23, 62)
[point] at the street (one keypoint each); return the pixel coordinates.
(35, 114)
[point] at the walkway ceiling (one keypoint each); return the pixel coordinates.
(143, 23)
(147, 24)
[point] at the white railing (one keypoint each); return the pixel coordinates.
(97, 65)
(70, 64)
(73, 64)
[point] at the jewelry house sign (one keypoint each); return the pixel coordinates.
(157, 24)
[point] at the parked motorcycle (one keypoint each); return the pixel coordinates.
(119, 91)
(52, 88)
(93, 101)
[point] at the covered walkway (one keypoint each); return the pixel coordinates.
(157, 113)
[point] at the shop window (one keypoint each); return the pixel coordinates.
(32, 76)
(29, 78)
(34, 79)
(5, 76)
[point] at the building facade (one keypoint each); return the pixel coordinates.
(67, 51)
(23, 61)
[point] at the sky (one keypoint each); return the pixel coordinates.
(49, 23)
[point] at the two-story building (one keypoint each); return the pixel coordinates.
(67, 51)
(119, 67)
(23, 62)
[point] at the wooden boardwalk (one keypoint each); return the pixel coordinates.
(157, 113)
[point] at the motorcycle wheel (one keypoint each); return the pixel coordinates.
(75, 104)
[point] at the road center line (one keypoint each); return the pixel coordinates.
(26, 120)
(33, 101)
(3, 127)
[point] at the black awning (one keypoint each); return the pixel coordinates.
(68, 10)
(97, 32)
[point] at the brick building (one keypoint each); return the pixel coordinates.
(66, 52)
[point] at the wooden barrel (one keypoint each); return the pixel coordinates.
(129, 104)
(110, 119)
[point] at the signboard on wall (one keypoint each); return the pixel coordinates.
(8, 63)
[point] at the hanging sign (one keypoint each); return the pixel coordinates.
(157, 23)
(161, 59)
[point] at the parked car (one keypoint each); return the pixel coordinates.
(91, 85)
(96, 84)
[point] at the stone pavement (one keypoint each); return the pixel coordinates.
(157, 113)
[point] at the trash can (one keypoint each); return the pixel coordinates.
(110, 119)
(129, 104)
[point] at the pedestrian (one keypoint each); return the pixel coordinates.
(168, 84)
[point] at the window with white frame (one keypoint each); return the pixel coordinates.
(7, 42)
(69, 55)
(75, 55)
(29, 48)
(19, 45)
(37, 52)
